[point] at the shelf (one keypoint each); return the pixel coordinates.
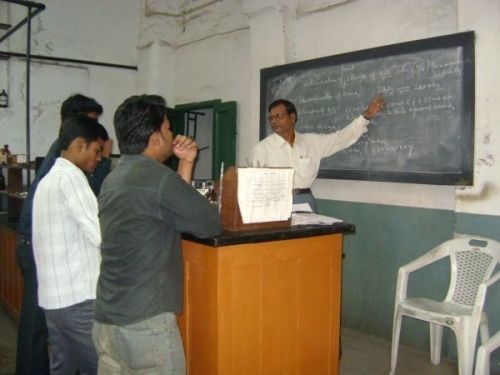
(20, 196)
(18, 166)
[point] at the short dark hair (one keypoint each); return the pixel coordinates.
(289, 107)
(78, 103)
(78, 125)
(136, 119)
(103, 133)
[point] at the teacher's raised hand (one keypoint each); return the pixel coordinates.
(375, 106)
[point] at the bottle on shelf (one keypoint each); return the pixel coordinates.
(6, 154)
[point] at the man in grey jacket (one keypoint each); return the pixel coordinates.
(144, 207)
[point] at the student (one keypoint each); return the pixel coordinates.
(32, 356)
(304, 151)
(144, 207)
(66, 240)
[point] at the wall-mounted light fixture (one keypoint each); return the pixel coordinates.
(4, 99)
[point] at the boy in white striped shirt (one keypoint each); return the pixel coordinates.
(66, 245)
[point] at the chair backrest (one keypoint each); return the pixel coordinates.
(473, 260)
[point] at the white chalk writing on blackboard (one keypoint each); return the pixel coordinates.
(423, 126)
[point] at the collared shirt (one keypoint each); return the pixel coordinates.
(144, 206)
(66, 237)
(95, 181)
(307, 151)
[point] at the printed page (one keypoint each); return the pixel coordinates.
(265, 194)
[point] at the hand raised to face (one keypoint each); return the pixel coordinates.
(185, 148)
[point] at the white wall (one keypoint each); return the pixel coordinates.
(104, 31)
(278, 31)
(216, 69)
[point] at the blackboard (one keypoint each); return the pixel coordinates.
(425, 133)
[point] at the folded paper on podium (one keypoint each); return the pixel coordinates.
(256, 198)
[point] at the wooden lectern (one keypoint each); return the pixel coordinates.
(230, 212)
(256, 305)
(262, 298)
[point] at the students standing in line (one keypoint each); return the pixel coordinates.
(32, 355)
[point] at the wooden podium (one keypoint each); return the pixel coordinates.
(263, 302)
(230, 212)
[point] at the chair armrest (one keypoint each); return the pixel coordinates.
(437, 253)
(481, 292)
(401, 285)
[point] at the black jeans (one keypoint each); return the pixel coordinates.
(32, 355)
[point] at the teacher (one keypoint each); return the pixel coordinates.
(303, 151)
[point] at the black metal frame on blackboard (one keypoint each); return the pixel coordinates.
(464, 40)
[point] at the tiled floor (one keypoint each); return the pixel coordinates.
(361, 354)
(369, 355)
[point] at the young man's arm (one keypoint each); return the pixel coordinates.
(186, 150)
(82, 204)
(187, 210)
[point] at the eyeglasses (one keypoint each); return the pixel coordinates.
(277, 116)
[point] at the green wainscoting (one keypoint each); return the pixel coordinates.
(387, 237)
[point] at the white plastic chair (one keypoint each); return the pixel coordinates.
(483, 355)
(488, 346)
(472, 260)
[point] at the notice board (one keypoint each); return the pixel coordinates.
(425, 134)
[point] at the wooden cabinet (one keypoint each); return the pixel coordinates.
(269, 307)
(11, 282)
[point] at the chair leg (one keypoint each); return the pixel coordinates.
(436, 337)
(483, 355)
(465, 348)
(396, 330)
(483, 328)
(482, 362)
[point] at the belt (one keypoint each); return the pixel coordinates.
(302, 191)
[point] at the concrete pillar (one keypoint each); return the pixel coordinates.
(156, 49)
(156, 71)
(267, 40)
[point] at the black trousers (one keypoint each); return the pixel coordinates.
(32, 355)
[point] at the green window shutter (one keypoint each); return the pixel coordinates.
(176, 119)
(224, 136)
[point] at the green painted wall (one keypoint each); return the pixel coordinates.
(387, 237)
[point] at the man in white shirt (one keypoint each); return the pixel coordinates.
(304, 151)
(66, 245)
